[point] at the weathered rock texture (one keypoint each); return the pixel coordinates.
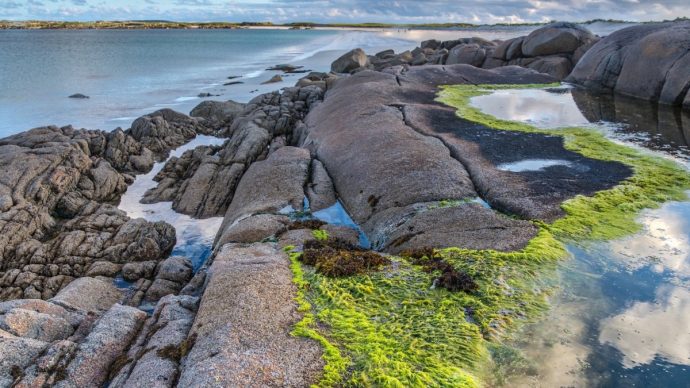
(164, 130)
(553, 49)
(69, 341)
(649, 61)
(395, 156)
(203, 181)
(56, 186)
(245, 340)
(217, 116)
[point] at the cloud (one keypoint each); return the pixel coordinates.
(649, 330)
(397, 11)
(10, 5)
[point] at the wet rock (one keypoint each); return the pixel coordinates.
(648, 61)
(350, 62)
(88, 294)
(107, 341)
(245, 340)
(275, 79)
(270, 186)
(402, 107)
(320, 190)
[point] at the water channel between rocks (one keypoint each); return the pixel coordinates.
(621, 317)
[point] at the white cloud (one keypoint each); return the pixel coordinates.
(400, 11)
(649, 330)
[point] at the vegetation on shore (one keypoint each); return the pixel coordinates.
(394, 328)
(164, 24)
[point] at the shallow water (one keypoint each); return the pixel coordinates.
(622, 315)
(194, 236)
(532, 165)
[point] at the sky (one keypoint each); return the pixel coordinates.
(345, 11)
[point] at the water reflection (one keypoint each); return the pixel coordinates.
(650, 330)
(622, 317)
(658, 127)
(543, 108)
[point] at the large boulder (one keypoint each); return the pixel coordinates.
(164, 130)
(471, 54)
(217, 115)
(649, 61)
(555, 38)
(350, 61)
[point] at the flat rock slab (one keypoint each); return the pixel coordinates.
(391, 150)
(88, 294)
(107, 341)
(270, 186)
(243, 325)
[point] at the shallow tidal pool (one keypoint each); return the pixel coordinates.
(621, 316)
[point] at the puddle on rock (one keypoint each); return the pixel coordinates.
(622, 315)
(539, 107)
(533, 165)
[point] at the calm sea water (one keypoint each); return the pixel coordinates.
(130, 73)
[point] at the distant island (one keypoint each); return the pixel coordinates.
(164, 24)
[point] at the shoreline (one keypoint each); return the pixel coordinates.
(134, 25)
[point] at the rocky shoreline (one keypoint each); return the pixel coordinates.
(370, 139)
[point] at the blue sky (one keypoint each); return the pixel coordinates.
(397, 11)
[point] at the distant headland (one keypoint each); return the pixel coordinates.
(165, 24)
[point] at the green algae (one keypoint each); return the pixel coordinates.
(390, 328)
(608, 214)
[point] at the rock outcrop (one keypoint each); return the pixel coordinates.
(441, 163)
(245, 339)
(217, 115)
(164, 130)
(70, 341)
(57, 222)
(553, 49)
(648, 61)
(203, 181)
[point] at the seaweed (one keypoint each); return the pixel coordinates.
(610, 213)
(336, 257)
(450, 278)
(389, 328)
